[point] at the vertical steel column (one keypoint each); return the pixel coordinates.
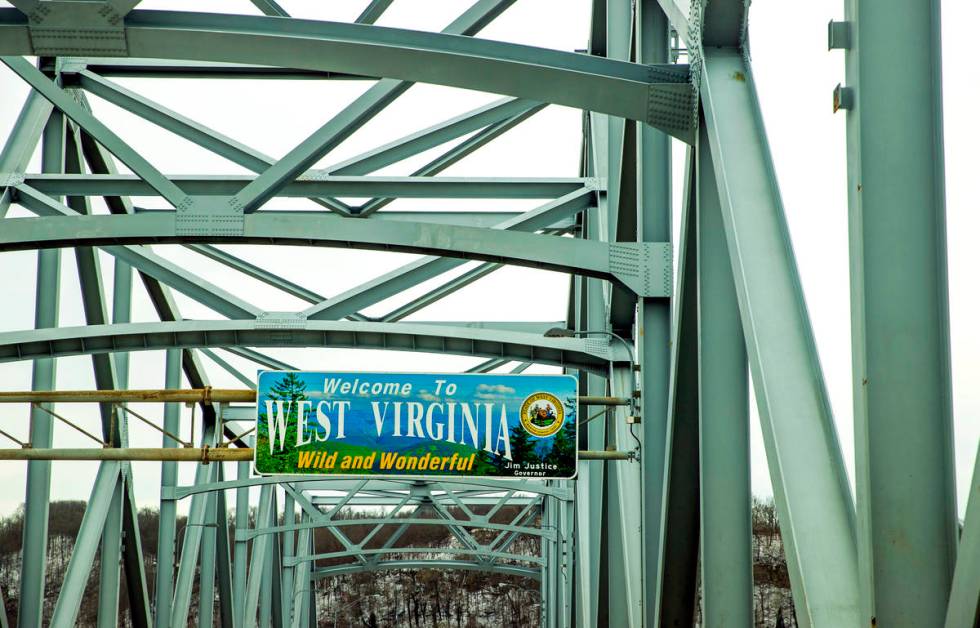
(274, 569)
(653, 215)
(190, 550)
(625, 503)
(34, 555)
(288, 550)
(675, 602)
(223, 548)
(134, 566)
(566, 536)
(590, 486)
(268, 571)
(549, 566)
(241, 545)
(167, 535)
(260, 550)
(208, 558)
(111, 557)
(723, 392)
(302, 583)
(900, 321)
(113, 419)
(122, 290)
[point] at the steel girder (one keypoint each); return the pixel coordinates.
(658, 95)
(903, 423)
(59, 342)
(640, 267)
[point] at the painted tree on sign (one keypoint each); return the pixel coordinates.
(290, 390)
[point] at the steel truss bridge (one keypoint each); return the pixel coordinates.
(629, 543)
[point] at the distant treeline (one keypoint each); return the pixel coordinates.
(403, 598)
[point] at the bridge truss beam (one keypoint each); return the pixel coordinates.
(625, 544)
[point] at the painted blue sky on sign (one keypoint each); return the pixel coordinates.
(504, 391)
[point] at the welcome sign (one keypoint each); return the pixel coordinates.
(411, 424)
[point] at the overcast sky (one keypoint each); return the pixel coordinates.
(795, 75)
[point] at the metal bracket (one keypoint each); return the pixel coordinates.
(669, 107)
(213, 220)
(838, 35)
(646, 268)
(843, 98)
(11, 179)
(66, 28)
(72, 65)
(597, 184)
(280, 320)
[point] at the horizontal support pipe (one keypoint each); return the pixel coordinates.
(606, 455)
(168, 454)
(585, 400)
(192, 454)
(191, 395)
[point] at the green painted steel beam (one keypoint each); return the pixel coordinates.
(114, 425)
(64, 341)
(259, 555)
(43, 377)
(373, 11)
(813, 498)
(313, 185)
(640, 267)
(964, 595)
(576, 80)
(167, 523)
(625, 530)
(903, 424)
(511, 570)
(432, 136)
(25, 134)
(374, 552)
(190, 549)
(677, 563)
(86, 544)
(653, 317)
(725, 24)
(327, 500)
(385, 486)
(184, 69)
(723, 420)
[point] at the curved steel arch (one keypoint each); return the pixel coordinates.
(326, 572)
(319, 483)
(640, 267)
(381, 551)
(589, 355)
(659, 95)
(347, 523)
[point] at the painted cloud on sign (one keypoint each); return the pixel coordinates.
(498, 391)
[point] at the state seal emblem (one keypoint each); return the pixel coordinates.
(542, 414)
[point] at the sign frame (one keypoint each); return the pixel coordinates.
(568, 422)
